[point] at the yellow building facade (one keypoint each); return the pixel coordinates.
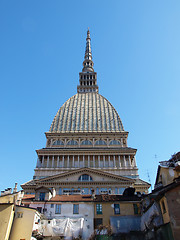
(6, 219)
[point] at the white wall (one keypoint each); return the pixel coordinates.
(86, 211)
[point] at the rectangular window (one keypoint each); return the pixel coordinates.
(116, 208)
(60, 191)
(135, 208)
(42, 196)
(58, 209)
(75, 208)
(98, 208)
(19, 214)
(52, 205)
(97, 222)
(85, 190)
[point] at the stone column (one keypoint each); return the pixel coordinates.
(114, 160)
(129, 160)
(78, 162)
(38, 163)
(99, 161)
(43, 161)
(109, 160)
(63, 161)
(47, 161)
(94, 161)
(124, 158)
(68, 161)
(58, 162)
(134, 161)
(88, 161)
(83, 161)
(52, 161)
(119, 157)
(73, 162)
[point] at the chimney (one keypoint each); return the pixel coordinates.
(15, 188)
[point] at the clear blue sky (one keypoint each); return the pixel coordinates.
(136, 51)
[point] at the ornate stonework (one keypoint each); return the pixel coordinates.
(87, 139)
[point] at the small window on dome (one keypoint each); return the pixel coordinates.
(100, 142)
(114, 142)
(58, 142)
(85, 177)
(86, 142)
(72, 142)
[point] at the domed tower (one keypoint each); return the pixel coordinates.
(86, 145)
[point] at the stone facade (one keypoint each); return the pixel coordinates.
(87, 139)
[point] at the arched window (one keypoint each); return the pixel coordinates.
(100, 142)
(58, 142)
(86, 142)
(114, 142)
(85, 177)
(72, 142)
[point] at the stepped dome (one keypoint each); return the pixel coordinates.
(86, 112)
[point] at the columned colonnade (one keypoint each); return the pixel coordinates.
(93, 161)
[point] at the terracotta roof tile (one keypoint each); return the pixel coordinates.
(28, 196)
(72, 198)
(113, 198)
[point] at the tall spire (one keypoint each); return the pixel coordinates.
(88, 63)
(88, 54)
(87, 78)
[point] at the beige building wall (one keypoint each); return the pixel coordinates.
(164, 210)
(126, 209)
(6, 219)
(23, 224)
(167, 175)
(12, 198)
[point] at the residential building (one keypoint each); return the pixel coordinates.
(11, 196)
(121, 212)
(161, 208)
(6, 219)
(63, 207)
(25, 223)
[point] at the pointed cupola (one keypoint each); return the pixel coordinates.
(87, 78)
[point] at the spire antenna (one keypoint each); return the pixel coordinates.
(87, 78)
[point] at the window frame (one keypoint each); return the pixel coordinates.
(42, 196)
(98, 208)
(75, 208)
(136, 209)
(116, 208)
(58, 209)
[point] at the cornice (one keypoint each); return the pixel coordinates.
(83, 151)
(87, 134)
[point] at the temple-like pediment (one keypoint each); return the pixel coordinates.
(96, 176)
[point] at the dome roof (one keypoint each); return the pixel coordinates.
(86, 112)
